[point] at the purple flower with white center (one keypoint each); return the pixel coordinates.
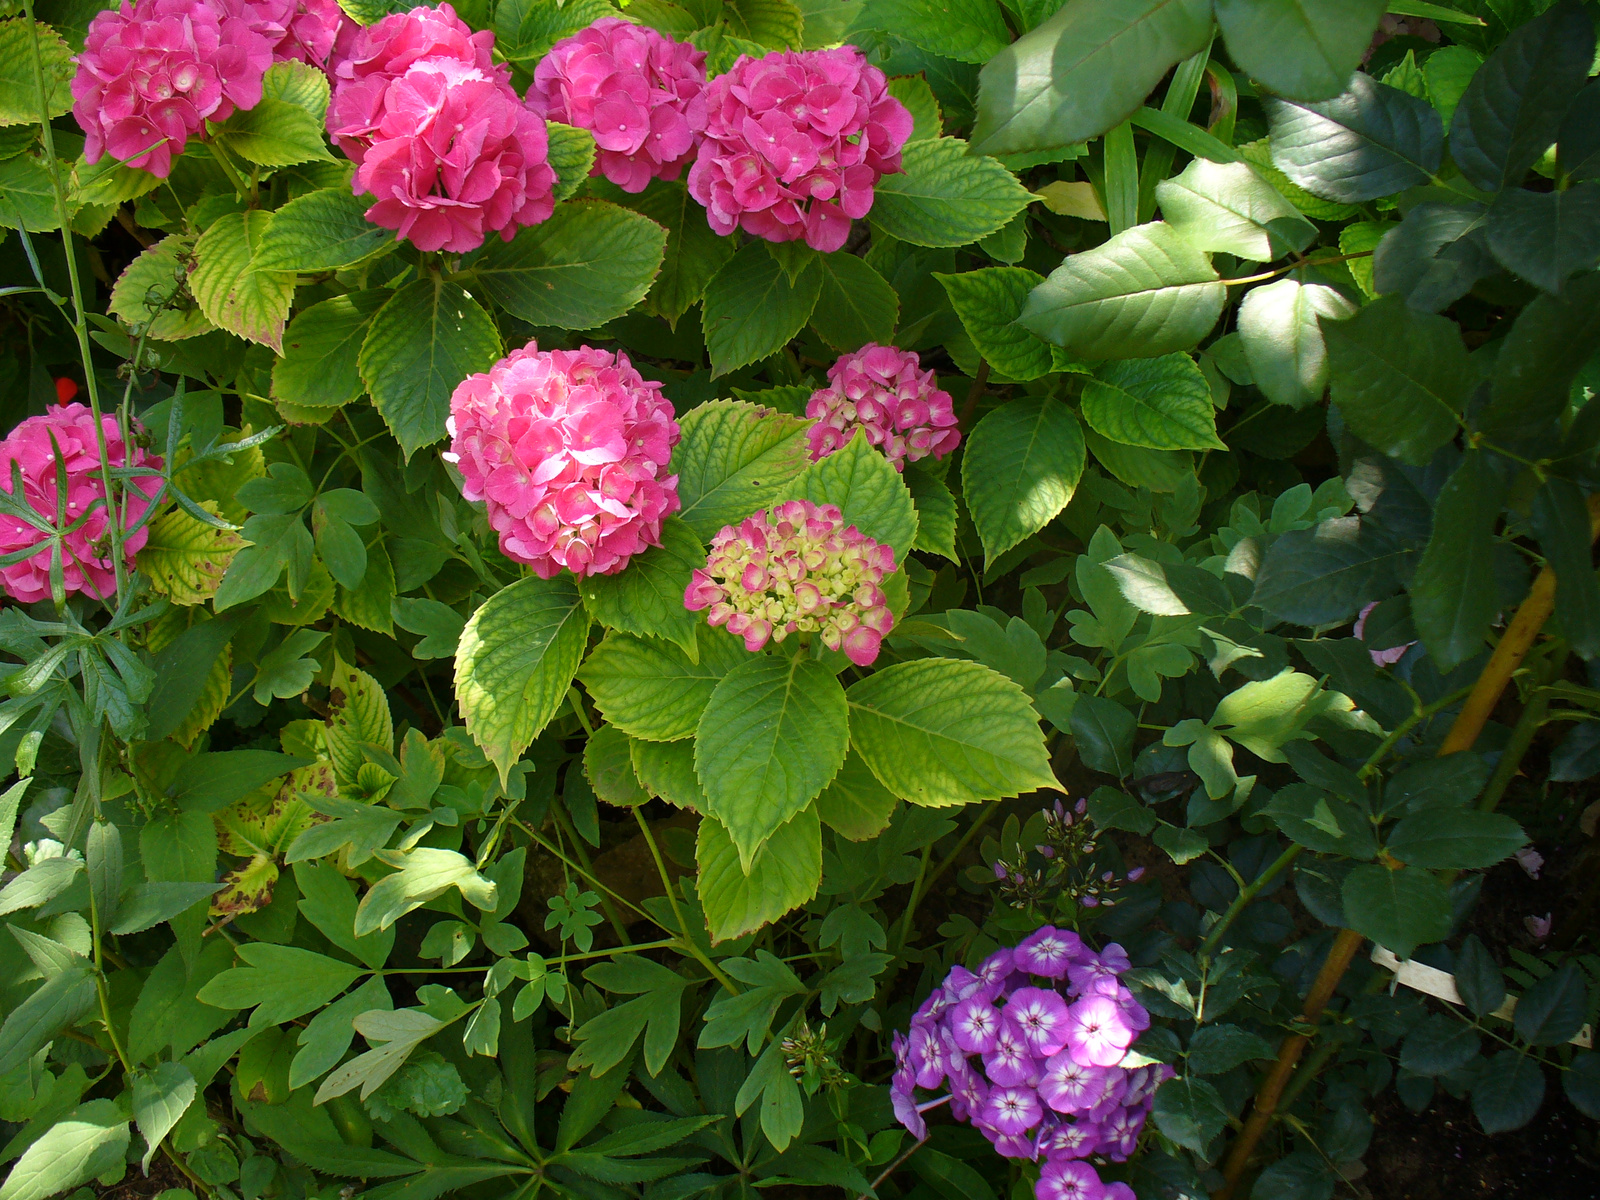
(1069, 1086)
(1010, 1145)
(961, 984)
(997, 968)
(1009, 1063)
(1082, 975)
(1012, 1110)
(1119, 1134)
(1065, 1141)
(926, 1057)
(1097, 1034)
(1069, 1181)
(975, 1025)
(1048, 951)
(1041, 1017)
(1119, 1191)
(905, 1103)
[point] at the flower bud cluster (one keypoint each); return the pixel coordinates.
(438, 134)
(1062, 867)
(58, 445)
(1031, 1048)
(639, 92)
(800, 569)
(884, 391)
(795, 142)
(568, 449)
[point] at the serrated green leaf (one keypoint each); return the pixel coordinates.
(325, 230)
(647, 597)
(694, 252)
(989, 301)
(86, 1142)
(1020, 469)
(753, 308)
(970, 31)
(1230, 208)
(1307, 49)
(651, 689)
(733, 460)
(866, 488)
(855, 306)
(1374, 140)
(275, 133)
(784, 875)
(150, 292)
(19, 93)
(1160, 403)
(946, 196)
(1400, 910)
(322, 350)
(231, 290)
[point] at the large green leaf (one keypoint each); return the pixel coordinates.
(651, 689)
(1513, 108)
(1084, 70)
(972, 31)
(1454, 595)
(1280, 328)
(753, 307)
(944, 731)
(19, 92)
(856, 304)
(989, 301)
(1433, 257)
(525, 30)
(517, 657)
(647, 597)
(274, 133)
(694, 251)
(946, 196)
(420, 346)
(588, 263)
(1372, 141)
(936, 512)
(868, 491)
(323, 230)
(1160, 403)
(1549, 343)
(89, 1141)
(1508, 1091)
(1229, 207)
(1400, 910)
(1546, 236)
(1305, 49)
(1455, 839)
(733, 460)
(1399, 377)
(1021, 467)
(1144, 293)
(1325, 574)
(784, 875)
(773, 734)
(233, 293)
(322, 349)
(144, 292)
(855, 805)
(279, 983)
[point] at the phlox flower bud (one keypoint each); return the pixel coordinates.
(568, 449)
(639, 92)
(886, 392)
(800, 569)
(795, 142)
(68, 430)
(152, 73)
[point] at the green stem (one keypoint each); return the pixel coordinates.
(1421, 714)
(687, 939)
(1522, 735)
(1246, 894)
(80, 326)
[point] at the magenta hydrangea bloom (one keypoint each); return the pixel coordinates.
(886, 392)
(799, 570)
(639, 92)
(795, 142)
(152, 73)
(1041, 1087)
(568, 449)
(297, 30)
(85, 554)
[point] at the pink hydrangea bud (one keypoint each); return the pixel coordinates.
(85, 553)
(799, 570)
(568, 449)
(154, 72)
(380, 54)
(884, 391)
(299, 30)
(640, 93)
(795, 142)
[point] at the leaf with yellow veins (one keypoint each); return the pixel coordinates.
(185, 558)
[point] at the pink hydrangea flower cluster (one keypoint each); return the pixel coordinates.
(1035, 1065)
(299, 30)
(639, 92)
(799, 570)
(85, 552)
(568, 449)
(795, 142)
(884, 391)
(152, 73)
(438, 134)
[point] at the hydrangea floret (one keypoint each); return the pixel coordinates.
(62, 442)
(152, 73)
(795, 142)
(305, 31)
(438, 134)
(639, 92)
(1031, 1048)
(884, 391)
(568, 450)
(799, 569)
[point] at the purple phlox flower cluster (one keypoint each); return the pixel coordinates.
(568, 449)
(61, 443)
(795, 141)
(799, 569)
(1062, 866)
(152, 73)
(438, 135)
(885, 391)
(639, 92)
(1031, 1047)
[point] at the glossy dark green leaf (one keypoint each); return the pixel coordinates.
(1305, 50)
(1508, 1091)
(1455, 839)
(1551, 341)
(1560, 520)
(1103, 731)
(1552, 1010)
(1326, 573)
(1434, 256)
(1374, 140)
(1453, 593)
(1400, 910)
(1579, 138)
(1191, 1112)
(1478, 979)
(1513, 108)
(1546, 237)
(1581, 1081)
